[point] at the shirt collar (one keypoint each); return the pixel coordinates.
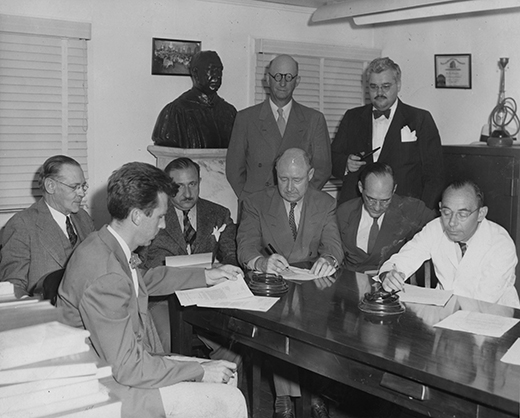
(286, 109)
(122, 243)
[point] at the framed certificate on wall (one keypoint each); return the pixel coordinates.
(453, 71)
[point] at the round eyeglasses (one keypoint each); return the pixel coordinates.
(75, 187)
(287, 77)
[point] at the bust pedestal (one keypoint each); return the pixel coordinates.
(214, 185)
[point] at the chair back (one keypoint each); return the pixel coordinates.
(51, 284)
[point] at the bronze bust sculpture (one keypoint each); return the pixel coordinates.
(198, 118)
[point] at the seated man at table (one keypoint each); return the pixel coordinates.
(40, 239)
(377, 224)
(104, 292)
(193, 226)
(299, 224)
(472, 256)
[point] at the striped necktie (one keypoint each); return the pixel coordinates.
(463, 247)
(189, 232)
(292, 222)
(281, 121)
(73, 237)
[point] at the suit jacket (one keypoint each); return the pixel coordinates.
(403, 219)
(418, 165)
(486, 272)
(33, 245)
(265, 221)
(97, 293)
(256, 142)
(170, 241)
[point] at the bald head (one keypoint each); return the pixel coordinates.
(294, 172)
(281, 92)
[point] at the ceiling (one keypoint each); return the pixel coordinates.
(304, 3)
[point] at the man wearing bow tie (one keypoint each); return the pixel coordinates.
(408, 138)
(103, 291)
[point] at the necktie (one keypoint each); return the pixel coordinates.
(73, 238)
(134, 261)
(189, 232)
(379, 113)
(292, 222)
(281, 121)
(372, 235)
(463, 247)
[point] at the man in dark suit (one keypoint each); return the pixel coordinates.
(264, 131)
(408, 138)
(104, 292)
(299, 223)
(377, 224)
(213, 232)
(40, 239)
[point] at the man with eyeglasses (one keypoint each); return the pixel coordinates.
(407, 138)
(377, 224)
(263, 131)
(40, 239)
(472, 256)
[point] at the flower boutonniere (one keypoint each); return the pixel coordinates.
(217, 231)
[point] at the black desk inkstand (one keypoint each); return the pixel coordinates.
(380, 302)
(266, 284)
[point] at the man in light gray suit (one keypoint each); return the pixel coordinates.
(264, 131)
(40, 239)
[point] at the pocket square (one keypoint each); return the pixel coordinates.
(407, 135)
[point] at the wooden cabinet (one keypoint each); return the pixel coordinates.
(497, 173)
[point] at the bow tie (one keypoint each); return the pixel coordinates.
(379, 113)
(134, 261)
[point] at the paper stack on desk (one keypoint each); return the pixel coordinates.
(228, 294)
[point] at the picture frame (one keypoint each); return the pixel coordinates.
(453, 71)
(173, 56)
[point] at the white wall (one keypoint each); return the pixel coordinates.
(125, 99)
(460, 114)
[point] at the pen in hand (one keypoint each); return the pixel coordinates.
(271, 251)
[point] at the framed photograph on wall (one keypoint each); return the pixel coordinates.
(453, 71)
(173, 56)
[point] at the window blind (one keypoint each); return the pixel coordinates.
(331, 76)
(43, 102)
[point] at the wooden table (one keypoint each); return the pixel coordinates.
(403, 359)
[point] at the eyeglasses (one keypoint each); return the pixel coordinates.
(75, 187)
(461, 215)
(385, 88)
(372, 202)
(287, 77)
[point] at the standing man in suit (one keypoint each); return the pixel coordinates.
(40, 239)
(299, 222)
(472, 256)
(104, 292)
(408, 138)
(377, 224)
(193, 226)
(264, 131)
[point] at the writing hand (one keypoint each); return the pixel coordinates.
(275, 264)
(354, 163)
(219, 274)
(218, 371)
(394, 280)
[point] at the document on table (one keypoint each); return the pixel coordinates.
(424, 296)
(193, 260)
(513, 354)
(228, 294)
(478, 323)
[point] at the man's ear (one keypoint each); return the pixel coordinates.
(311, 174)
(49, 185)
(360, 186)
(136, 215)
(482, 212)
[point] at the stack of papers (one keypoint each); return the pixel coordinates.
(194, 260)
(478, 323)
(229, 294)
(425, 296)
(295, 273)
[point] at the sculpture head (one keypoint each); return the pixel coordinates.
(206, 72)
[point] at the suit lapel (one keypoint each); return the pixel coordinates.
(204, 240)
(173, 228)
(393, 136)
(52, 238)
(268, 127)
(279, 224)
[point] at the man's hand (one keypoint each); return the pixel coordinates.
(324, 282)
(217, 275)
(218, 371)
(354, 163)
(275, 263)
(393, 280)
(322, 268)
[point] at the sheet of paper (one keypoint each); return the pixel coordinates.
(424, 296)
(193, 260)
(295, 273)
(513, 354)
(228, 294)
(478, 323)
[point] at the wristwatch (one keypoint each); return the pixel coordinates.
(332, 260)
